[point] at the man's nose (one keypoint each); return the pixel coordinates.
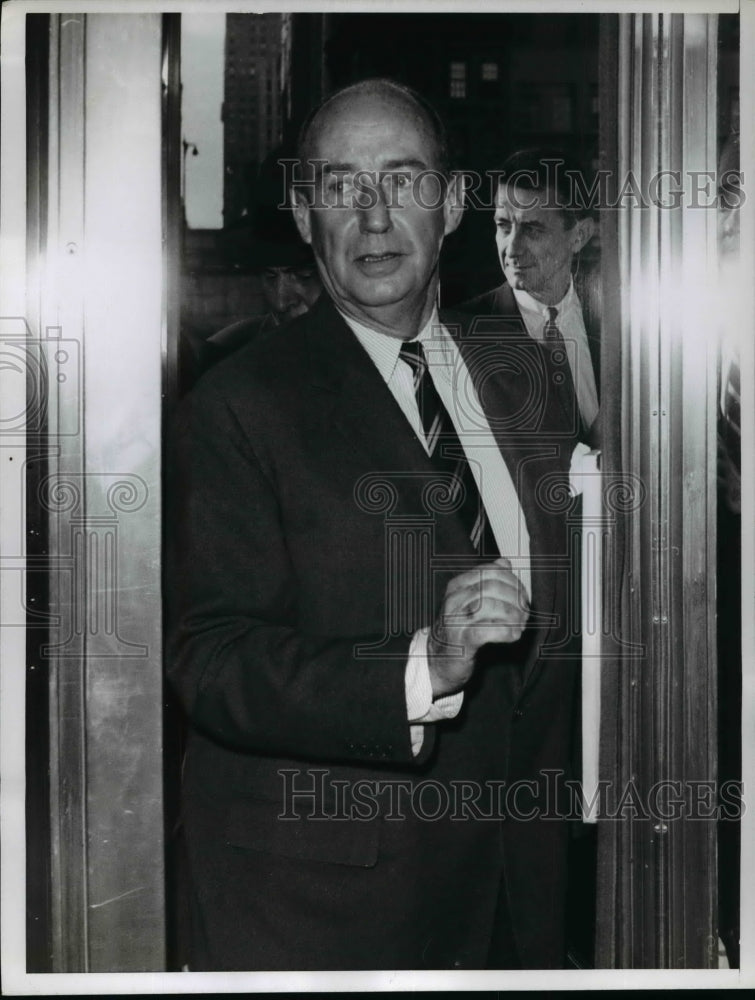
(285, 292)
(374, 213)
(514, 241)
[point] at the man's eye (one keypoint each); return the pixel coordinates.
(399, 180)
(306, 274)
(335, 183)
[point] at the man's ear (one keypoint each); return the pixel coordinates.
(453, 206)
(582, 232)
(300, 210)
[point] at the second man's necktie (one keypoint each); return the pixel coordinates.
(446, 452)
(567, 388)
(551, 330)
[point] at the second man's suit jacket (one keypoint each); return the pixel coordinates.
(306, 550)
(500, 302)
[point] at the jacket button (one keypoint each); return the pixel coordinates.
(518, 713)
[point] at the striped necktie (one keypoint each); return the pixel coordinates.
(446, 453)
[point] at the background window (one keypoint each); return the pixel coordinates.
(458, 80)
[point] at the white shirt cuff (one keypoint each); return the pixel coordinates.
(583, 463)
(420, 707)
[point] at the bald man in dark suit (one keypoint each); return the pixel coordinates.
(370, 583)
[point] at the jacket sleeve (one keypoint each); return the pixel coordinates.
(248, 673)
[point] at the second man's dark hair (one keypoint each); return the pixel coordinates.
(555, 173)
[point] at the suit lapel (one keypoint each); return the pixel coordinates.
(497, 312)
(363, 411)
(565, 392)
(506, 303)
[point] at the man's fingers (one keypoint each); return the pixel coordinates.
(498, 570)
(508, 590)
(487, 611)
(495, 633)
(501, 587)
(475, 635)
(473, 575)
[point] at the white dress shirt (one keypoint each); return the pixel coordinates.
(505, 515)
(572, 326)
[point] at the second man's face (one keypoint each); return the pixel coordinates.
(535, 247)
(290, 291)
(378, 230)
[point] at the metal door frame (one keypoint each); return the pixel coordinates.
(92, 337)
(657, 876)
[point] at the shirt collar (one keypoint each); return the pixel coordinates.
(527, 303)
(383, 349)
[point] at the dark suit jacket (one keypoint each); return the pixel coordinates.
(199, 354)
(500, 302)
(296, 581)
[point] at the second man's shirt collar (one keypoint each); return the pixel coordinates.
(527, 302)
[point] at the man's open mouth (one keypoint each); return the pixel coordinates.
(377, 258)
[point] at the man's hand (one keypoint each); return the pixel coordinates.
(487, 604)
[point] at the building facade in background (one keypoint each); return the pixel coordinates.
(252, 113)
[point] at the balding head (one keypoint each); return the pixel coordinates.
(390, 94)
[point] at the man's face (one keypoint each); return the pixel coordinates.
(290, 291)
(378, 235)
(535, 246)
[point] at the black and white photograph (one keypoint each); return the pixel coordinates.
(377, 498)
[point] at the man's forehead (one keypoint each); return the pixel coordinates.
(517, 200)
(359, 125)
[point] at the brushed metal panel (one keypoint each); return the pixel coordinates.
(121, 534)
(104, 296)
(662, 904)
